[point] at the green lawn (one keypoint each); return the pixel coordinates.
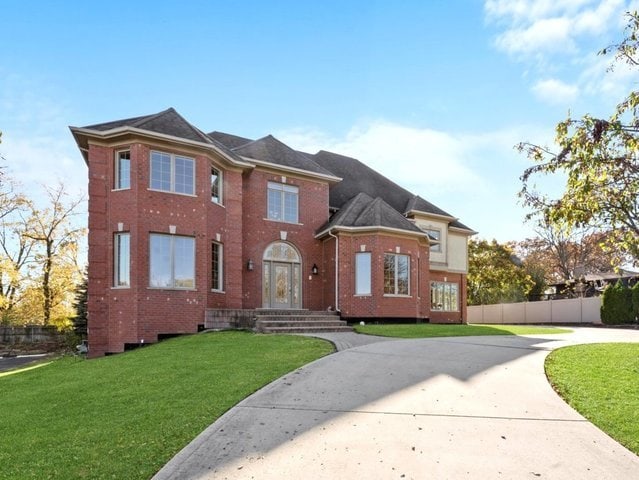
(426, 330)
(601, 382)
(126, 415)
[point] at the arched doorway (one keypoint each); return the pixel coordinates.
(281, 277)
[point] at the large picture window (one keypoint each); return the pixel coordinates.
(217, 266)
(282, 202)
(444, 296)
(396, 274)
(122, 260)
(122, 170)
(172, 261)
(172, 173)
(363, 273)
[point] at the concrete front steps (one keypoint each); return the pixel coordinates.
(298, 321)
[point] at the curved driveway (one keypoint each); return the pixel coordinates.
(463, 407)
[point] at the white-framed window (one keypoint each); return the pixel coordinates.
(363, 273)
(122, 170)
(396, 274)
(216, 185)
(122, 260)
(282, 202)
(171, 261)
(217, 266)
(444, 296)
(172, 173)
(436, 235)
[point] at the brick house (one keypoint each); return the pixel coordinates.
(189, 230)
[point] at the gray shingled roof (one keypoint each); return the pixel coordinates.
(228, 140)
(166, 122)
(364, 211)
(270, 149)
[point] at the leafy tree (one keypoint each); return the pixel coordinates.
(80, 305)
(599, 157)
(616, 305)
(562, 254)
(495, 275)
(57, 239)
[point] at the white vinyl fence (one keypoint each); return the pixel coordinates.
(571, 310)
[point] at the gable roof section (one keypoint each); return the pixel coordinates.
(365, 212)
(167, 123)
(270, 150)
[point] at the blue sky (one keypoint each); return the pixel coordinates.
(433, 94)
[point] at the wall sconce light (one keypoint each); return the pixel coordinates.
(250, 266)
(314, 270)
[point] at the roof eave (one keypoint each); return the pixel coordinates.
(79, 133)
(466, 232)
(429, 214)
(300, 171)
(376, 228)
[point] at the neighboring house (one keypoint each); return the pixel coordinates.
(187, 228)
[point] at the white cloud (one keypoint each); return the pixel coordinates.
(542, 26)
(555, 91)
(474, 176)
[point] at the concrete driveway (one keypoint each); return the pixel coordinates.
(464, 407)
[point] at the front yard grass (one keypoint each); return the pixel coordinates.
(427, 330)
(126, 415)
(601, 382)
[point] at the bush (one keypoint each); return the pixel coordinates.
(616, 305)
(635, 301)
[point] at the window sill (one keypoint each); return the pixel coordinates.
(121, 287)
(363, 295)
(174, 289)
(120, 189)
(282, 221)
(174, 193)
(217, 291)
(394, 295)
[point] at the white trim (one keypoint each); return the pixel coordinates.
(285, 168)
(371, 229)
(114, 132)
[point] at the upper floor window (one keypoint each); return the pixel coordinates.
(282, 202)
(396, 274)
(122, 170)
(172, 173)
(216, 186)
(435, 239)
(444, 296)
(171, 261)
(363, 273)
(121, 260)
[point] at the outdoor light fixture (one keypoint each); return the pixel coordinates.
(314, 270)
(249, 265)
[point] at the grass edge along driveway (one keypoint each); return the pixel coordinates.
(126, 415)
(601, 382)
(430, 330)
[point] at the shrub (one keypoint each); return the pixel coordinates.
(635, 301)
(616, 305)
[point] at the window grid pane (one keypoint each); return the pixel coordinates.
(396, 274)
(160, 261)
(123, 170)
(216, 270)
(161, 171)
(444, 296)
(274, 205)
(184, 175)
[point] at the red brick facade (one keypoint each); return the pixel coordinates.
(139, 313)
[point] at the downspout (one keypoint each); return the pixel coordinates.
(336, 270)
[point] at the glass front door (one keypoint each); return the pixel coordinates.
(281, 280)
